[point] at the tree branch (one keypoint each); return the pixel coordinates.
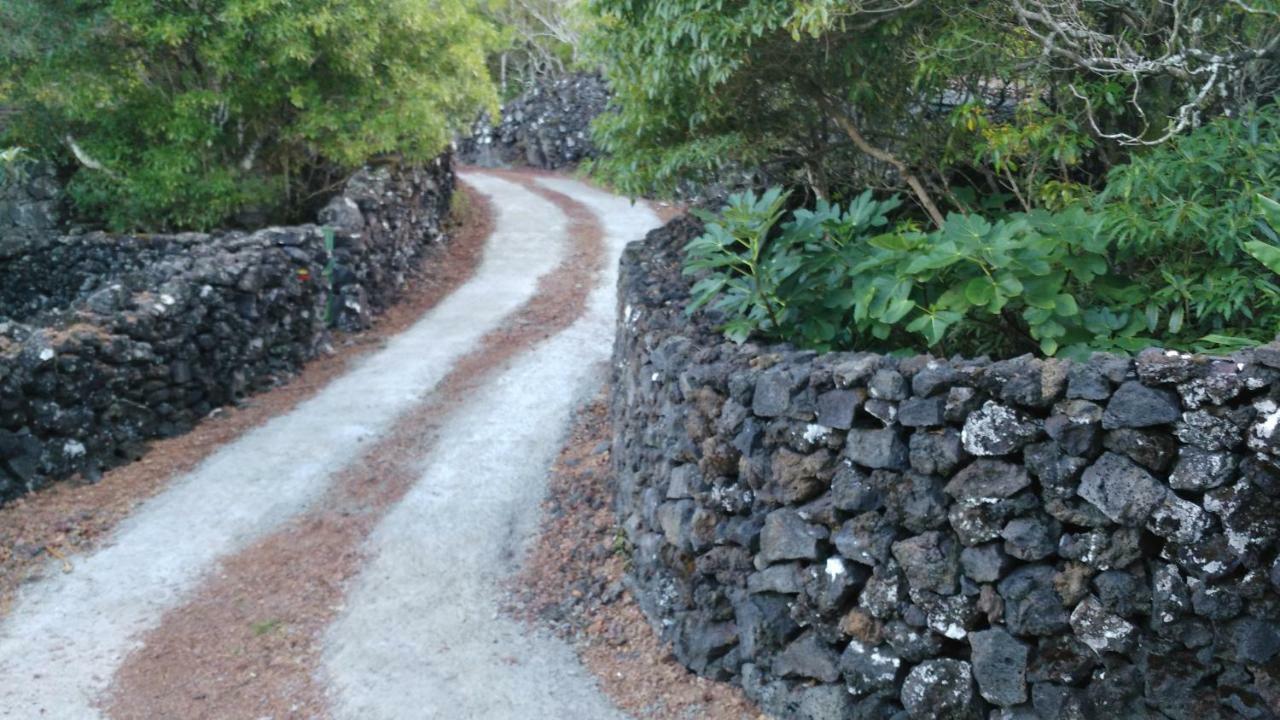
(850, 129)
(87, 160)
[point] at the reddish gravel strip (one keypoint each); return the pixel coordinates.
(573, 582)
(248, 644)
(70, 518)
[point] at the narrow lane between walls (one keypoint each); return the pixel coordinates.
(458, 531)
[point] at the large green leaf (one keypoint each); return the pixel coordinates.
(933, 325)
(1270, 210)
(1066, 306)
(1042, 292)
(897, 310)
(942, 255)
(1268, 255)
(895, 241)
(979, 290)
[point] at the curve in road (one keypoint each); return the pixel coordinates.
(423, 635)
(436, 558)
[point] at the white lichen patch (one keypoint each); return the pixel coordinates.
(1178, 520)
(815, 433)
(1224, 505)
(1095, 544)
(1262, 431)
(1099, 629)
(989, 428)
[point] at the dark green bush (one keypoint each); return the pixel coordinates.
(950, 102)
(1178, 217)
(183, 114)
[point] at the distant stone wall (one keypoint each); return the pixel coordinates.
(851, 535)
(548, 127)
(30, 202)
(109, 341)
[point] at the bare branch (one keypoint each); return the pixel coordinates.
(1167, 39)
(87, 160)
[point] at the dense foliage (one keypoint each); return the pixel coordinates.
(702, 83)
(1067, 174)
(1267, 252)
(185, 115)
(961, 104)
(1172, 252)
(837, 277)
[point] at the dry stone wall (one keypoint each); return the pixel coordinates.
(31, 201)
(109, 341)
(851, 535)
(548, 127)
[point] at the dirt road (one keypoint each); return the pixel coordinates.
(362, 535)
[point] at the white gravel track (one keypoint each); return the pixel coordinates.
(419, 639)
(422, 635)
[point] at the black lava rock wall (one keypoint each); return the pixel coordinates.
(851, 535)
(548, 127)
(108, 341)
(30, 202)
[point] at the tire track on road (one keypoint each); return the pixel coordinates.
(246, 645)
(422, 635)
(68, 634)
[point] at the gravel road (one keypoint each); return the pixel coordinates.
(418, 634)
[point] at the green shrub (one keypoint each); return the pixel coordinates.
(836, 278)
(837, 96)
(11, 160)
(701, 85)
(1165, 255)
(181, 115)
(1267, 253)
(1179, 216)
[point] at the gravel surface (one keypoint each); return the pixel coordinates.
(421, 636)
(248, 643)
(70, 632)
(39, 532)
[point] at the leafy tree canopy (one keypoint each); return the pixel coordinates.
(952, 100)
(186, 114)
(1079, 175)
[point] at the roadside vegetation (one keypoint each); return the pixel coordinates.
(11, 162)
(197, 114)
(1052, 176)
(991, 177)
